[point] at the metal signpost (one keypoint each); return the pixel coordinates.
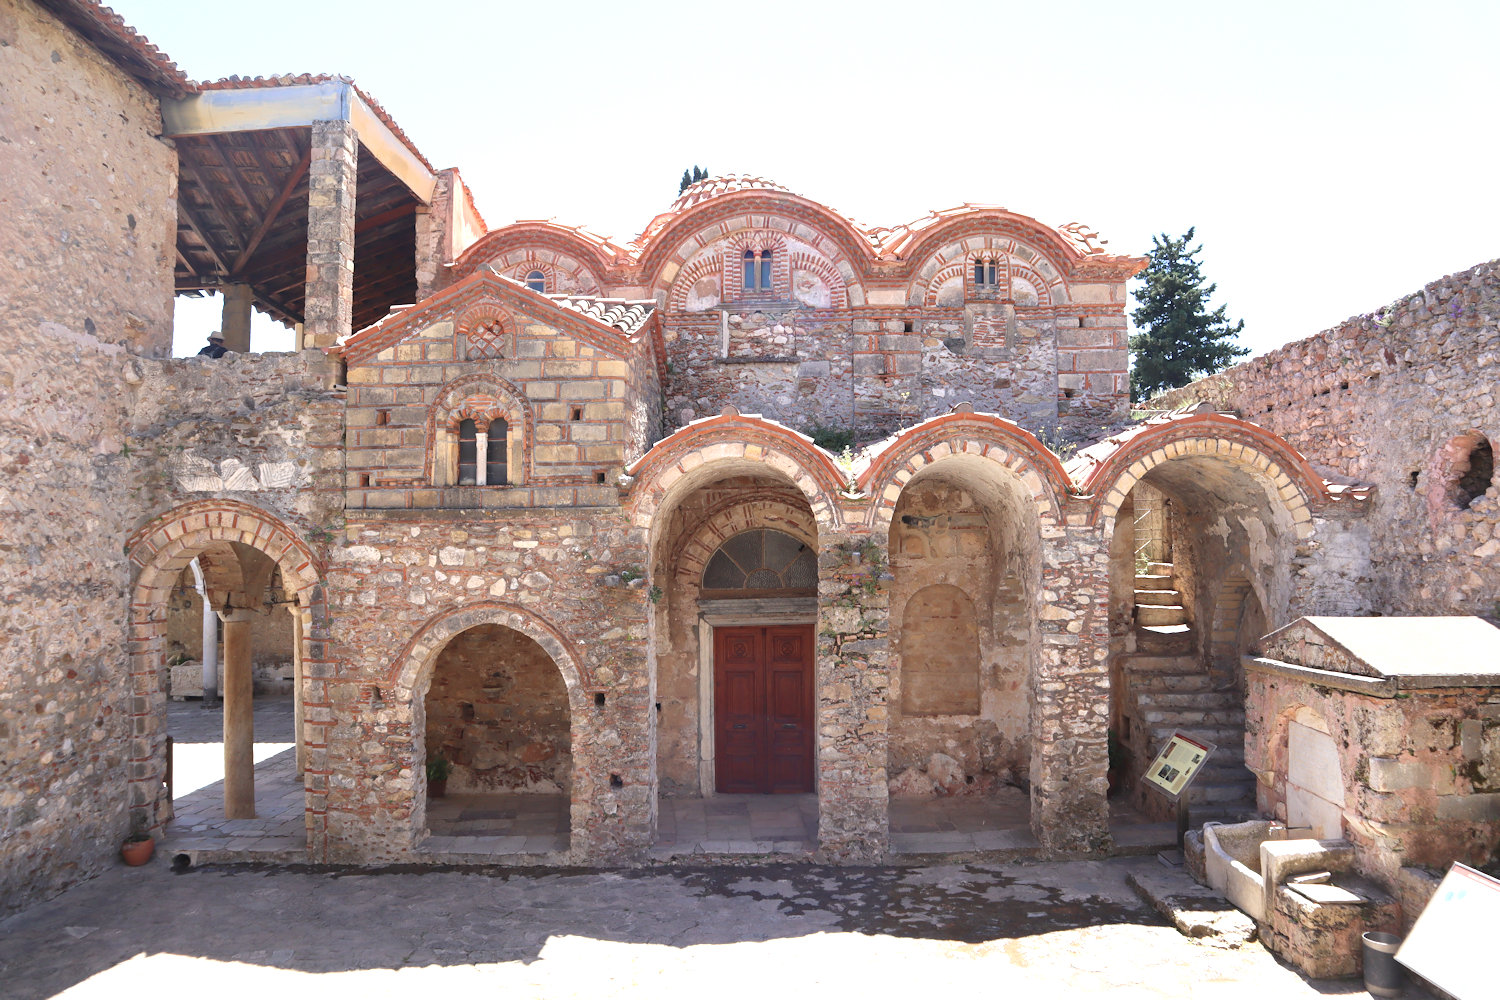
(1173, 769)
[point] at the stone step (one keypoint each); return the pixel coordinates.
(1158, 598)
(1193, 698)
(1159, 569)
(1157, 662)
(1218, 735)
(1192, 717)
(1143, 685)
(1153, 581)
(1159, 615)
(1165, 640)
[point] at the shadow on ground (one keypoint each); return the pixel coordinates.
(330, 920)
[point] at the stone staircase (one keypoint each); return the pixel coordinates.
(1171, 691)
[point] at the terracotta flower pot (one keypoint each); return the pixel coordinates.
(137, 852)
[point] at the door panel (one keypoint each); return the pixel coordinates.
(763, 698)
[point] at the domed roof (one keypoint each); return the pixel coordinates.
(715, 186)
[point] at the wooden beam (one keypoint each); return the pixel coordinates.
(201, 233)
(233, 170)
(231, 225)
(389, 215)
(298, 172)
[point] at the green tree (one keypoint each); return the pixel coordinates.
(691, 177)
(1179, 339)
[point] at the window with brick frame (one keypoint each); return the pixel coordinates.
(986, 272)
(536, 281)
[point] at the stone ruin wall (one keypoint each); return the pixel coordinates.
(864, 371)
(1381, 399)
(88, 232)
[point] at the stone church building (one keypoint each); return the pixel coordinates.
(764, 501)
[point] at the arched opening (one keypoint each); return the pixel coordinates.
(225, 781)
(735, 557)
(1199, 559)
(217, 767)
(496, 747)
(965, 549)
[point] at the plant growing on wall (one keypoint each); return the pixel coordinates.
(1180, 339)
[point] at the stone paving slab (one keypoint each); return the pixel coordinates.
(1196, 910)
(1022, 930)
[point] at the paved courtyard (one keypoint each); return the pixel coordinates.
(1027, 929)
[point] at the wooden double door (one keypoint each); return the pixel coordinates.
(763, 708)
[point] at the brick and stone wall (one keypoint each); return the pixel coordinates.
(1396, 399)
(88, 225)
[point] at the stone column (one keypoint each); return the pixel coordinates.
(332, 178)
(239, 722)
(853, 687)
(297, 633)
(234, 324)
(1070, 692)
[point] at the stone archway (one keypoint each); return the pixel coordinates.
(161, 550)
(533, 647)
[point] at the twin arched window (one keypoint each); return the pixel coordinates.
(481, 453)
(985, 272)
(763, 271)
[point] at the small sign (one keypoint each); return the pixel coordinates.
(1177, 764)
(1450, 944)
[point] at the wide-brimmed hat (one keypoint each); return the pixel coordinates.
(216, 336)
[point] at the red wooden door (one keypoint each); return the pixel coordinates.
(763, 684)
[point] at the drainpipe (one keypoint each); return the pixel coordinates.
(210, 639)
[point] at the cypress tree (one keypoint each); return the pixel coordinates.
(1180, 339)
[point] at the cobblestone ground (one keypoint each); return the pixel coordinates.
(1019, 930)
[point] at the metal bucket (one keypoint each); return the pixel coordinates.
(1384, 977)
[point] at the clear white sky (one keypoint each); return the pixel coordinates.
(1333, 156)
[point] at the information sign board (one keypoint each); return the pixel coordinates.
(1449, 945)
(1177, 763)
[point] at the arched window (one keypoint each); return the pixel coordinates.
(494, 456)
(986, 272)
(978, 271)
(765, 269)
(536, 281)
(749, 269)
(467, 450)
(471, 439)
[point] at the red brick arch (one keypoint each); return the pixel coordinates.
(964, 432)
(938, 264)
(593, 258)
(488, 397)
(743, 444)
(702, 540)
(1109, 471)
(160, 550)
(710, 221)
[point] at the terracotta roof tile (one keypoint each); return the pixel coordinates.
(108, 30)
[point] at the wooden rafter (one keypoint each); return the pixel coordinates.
(202, 234)
(210, 191)
(299, 172)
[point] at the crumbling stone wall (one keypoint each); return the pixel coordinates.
(88, 226)
(497, 711)
(1379, 399)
